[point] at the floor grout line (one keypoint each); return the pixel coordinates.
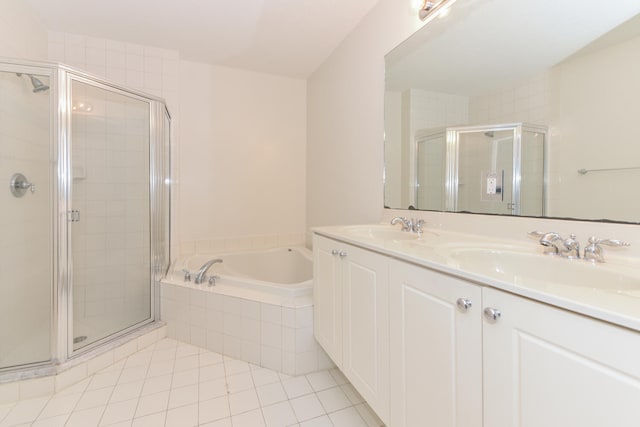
(235, 375)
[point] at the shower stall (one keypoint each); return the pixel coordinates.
(84, 223)
(491, 169)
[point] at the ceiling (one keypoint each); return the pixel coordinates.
(285, 37)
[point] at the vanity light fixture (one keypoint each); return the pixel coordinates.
(430, 7)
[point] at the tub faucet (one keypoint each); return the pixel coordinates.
(201, 274)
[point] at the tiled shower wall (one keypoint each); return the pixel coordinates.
(148, 69)
(110, 243)
(26, 246)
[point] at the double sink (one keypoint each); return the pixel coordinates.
(519, 265)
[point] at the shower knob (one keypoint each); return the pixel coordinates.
(19, 185)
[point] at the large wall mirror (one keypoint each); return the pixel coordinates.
(518, 107)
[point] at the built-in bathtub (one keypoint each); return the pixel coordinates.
(281, 272)
(260, 309)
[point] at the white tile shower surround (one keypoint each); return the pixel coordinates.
(175, 384)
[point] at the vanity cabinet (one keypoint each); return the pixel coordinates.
(327, 296)
(425, 348)
(545, 366)
(351, 316)
(436, 349)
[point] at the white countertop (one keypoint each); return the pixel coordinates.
(599, 295)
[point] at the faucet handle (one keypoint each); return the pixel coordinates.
(417, 225)
(212, 279)
(594, 252)
(571, 247)
(187, 275)
(593, 240)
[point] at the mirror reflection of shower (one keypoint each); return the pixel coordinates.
(37, 84)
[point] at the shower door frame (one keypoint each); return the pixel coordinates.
(64, 314)
(453, 153)
(60, 77)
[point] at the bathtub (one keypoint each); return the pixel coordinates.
(260, 310)
(259, 275)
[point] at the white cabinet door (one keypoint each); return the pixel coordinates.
(436, 349)
(327, 297)
(366, 326)
(548, 367)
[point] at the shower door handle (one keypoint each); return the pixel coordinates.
(73, 216)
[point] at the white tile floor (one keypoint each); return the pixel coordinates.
(176, 384)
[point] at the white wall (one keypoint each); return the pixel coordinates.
(21, 33)
(610, 76)
(242, 158)
(346, 120)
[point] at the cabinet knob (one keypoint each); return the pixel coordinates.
(342, 254)
(492, 314)
(335, 252)
(464, 304)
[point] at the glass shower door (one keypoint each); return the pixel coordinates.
(26, 225)
(430, 171)
(485, 171)
(110, 225)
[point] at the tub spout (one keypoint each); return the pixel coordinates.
(201, 275)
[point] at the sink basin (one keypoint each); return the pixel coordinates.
(380, 232)
(526, 268)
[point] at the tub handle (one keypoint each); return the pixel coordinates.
(335, 252)
(342, 254)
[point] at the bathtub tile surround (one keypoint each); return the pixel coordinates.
(79, 369)
(176, 384)
(241, 243)
(275, 336)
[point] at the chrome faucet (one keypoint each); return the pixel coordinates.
(567, 248)
(414, 225)
(594, 252)
(406, 224)
(201, 274)
(570, 248)
(548, 240)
